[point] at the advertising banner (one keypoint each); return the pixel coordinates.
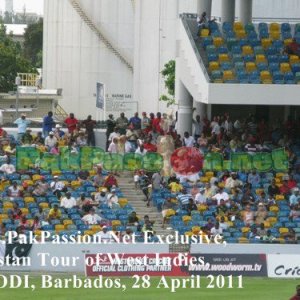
(283, 266)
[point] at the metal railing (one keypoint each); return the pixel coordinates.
(184, 18)
(28, 79)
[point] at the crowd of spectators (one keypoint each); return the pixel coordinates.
(249, 199)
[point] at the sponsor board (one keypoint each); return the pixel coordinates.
(171, 264)
(283, 265)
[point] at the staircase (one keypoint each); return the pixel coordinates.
(99, 32)
(136, 199)
(59, 113)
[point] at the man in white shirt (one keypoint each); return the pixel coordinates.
(188, 140)
(200, 198)
(216, 230)
(113, 146)
(91, 218)
(57, 187)
(114, 134)
(221, 195)
(22, 125)
(8, 168)
(223, 224)
(50, 140)
(232, 182)
(112, 199)
(104, 235)
(141, 150)
(68, 201)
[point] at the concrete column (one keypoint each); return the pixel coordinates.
(185, 105)
(228, 11)
(204, 6)
(246, 11)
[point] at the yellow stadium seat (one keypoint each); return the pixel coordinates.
(272, 220)
(29, 200)
(275, 35)
(283, 230)
(228, 75)
(260, 58)
(294, 59)
(223, 57)
(96, 228)
(7, 205)
(38, 232)
(123, 202)
(266, 43)
(186, 218)
(59, 227)
(204, 32)
(56, 173)
(259, 191)
(218, 41)
(278, 180)
(67, 222)
(88, 232)
(247, 50)
(116, 223)
(28, 181)
(286, 42)
(229, 223)
(279, 185)
(24, 211)
(245, 229)
(213, 65)
(241, 34)
(204, 179)
(218, 80)
(250, 66)
(274, 27)
(202, 207)
(75, 183)
(92, 172)
(36, 177)
(209, 174)
(243, 240)
(267, 224)
(281, 240)
(265, 75)
(170, 213)
(3, 216)
(196, 229)
(285, 67)
(238, 26)
(279, 175)
(44, 205)
(274, 209)
(267, 81)
(279, 197)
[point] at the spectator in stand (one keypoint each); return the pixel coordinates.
(58, 187)
(81, 139)
(68, 201)
(71, 123)
(104, 235)
(292, 48)
(167, 207)
(122, 123)
(8, 167)
(101, 197)
(54, 213)
(135, 122)
(261, 214)
(156, 181)
(292, 183)
(50, 140)
(295, 212)
(183, 198)
(110, 181)
(149, 147)
(216, 230)
(48, 123)
(273, 189)
(145, 123)
(221, 195)
(113, 146)
(254, 178)
(191, 206)
(41, 188)
(113, 200)
(91, 218)
(188, 140)
(90, 125)
(133, 219)
(27, 138)
(261, 230)
(110, 126)
(200, 197)
(295, 197)
(248, 216)
(223, 224)
(202, 23)
(141, 150)
(284, 189)
(198, 127)
(58, 132)
(22, 125)
(233, 182)
(156, 123)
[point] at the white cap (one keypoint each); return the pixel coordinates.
(51, 132)
(57, 126)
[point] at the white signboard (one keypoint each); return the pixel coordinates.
(117, 103)
(283, 266)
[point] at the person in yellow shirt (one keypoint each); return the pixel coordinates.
(54, 213)
(175, 187)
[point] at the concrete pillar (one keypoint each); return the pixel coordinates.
(204, 6)
(185, 105)
(228, 11)
(246, 11)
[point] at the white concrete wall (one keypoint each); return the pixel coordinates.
(74, 57)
